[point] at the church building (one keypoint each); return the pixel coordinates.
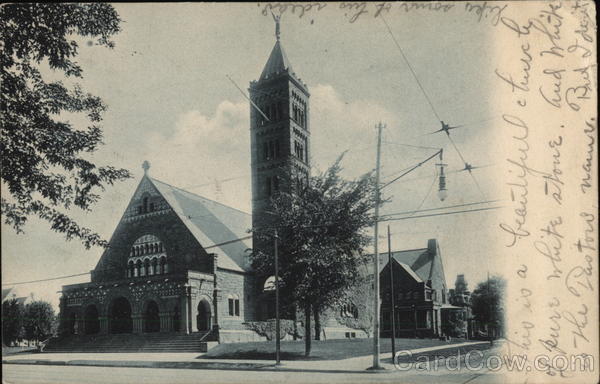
(178, 264)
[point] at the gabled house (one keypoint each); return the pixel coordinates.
(420, 291)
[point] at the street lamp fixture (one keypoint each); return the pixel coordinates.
(442, 191)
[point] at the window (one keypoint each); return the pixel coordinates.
(270, 149)
(147, 257)
(299, 150)
(234, 305)
(145, 205)
(349, 311)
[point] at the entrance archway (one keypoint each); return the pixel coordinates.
(91, 324)
(151, 318)
(120, 320)
(203, 317)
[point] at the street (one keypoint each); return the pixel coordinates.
(38, 374)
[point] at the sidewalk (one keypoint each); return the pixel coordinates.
(196, 361)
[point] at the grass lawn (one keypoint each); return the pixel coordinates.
(14, 350)
(321, 350)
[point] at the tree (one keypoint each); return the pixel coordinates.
(39, 322)
(322, 226)
(44, 164)
(12, 321)
(487, 303)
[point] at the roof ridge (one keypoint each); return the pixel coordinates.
(404, 250)
(410, 250)
(200, 196)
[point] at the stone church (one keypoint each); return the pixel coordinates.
(178, 263)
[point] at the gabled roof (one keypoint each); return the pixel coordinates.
(211, 223)
(277, 63)
(411, 272)
(5, 293)
(420, 261)
(424, 263)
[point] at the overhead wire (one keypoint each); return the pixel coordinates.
(428, 99)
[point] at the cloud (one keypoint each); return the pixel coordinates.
(338, 125)
(202, 149)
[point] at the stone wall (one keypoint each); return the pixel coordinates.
(182, 249)
(238, 285)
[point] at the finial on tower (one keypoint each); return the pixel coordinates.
(146, 166)
(277, 27)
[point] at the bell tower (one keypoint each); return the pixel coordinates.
(279, 129)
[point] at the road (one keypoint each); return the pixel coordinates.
(38, 374)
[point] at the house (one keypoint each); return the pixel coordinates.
(420, 292)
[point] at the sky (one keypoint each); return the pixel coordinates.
(169, 102)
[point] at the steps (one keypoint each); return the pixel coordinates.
(127, 342)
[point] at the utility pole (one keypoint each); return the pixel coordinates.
(392, 301)
(376, 348)
(277, 329)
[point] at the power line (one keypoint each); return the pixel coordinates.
(410, 67)
(52, 278)
(110, 269)
(411, 169)
(409, 145)
(440, 214)
(441, 208)
(428, 99)
(427, 195)
(251, 102)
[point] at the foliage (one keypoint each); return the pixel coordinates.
(487, 302)
(454, 325)
(361, 297)
(44, 165)
(321, 224)
(12, 321)
(267, 328)
(39, 322)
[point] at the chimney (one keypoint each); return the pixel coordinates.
(432, 246)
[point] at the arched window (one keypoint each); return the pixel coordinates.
(145, 205)
(154, 267)
(147, 245)
(164, 267)
(130, 269)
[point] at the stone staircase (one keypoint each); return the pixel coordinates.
(128, 342)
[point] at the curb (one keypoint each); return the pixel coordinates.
(146, 364)
(241, 366)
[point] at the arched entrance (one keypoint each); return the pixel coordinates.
(203, 317)
(120, 319)
(91, 324)
(151, 318)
